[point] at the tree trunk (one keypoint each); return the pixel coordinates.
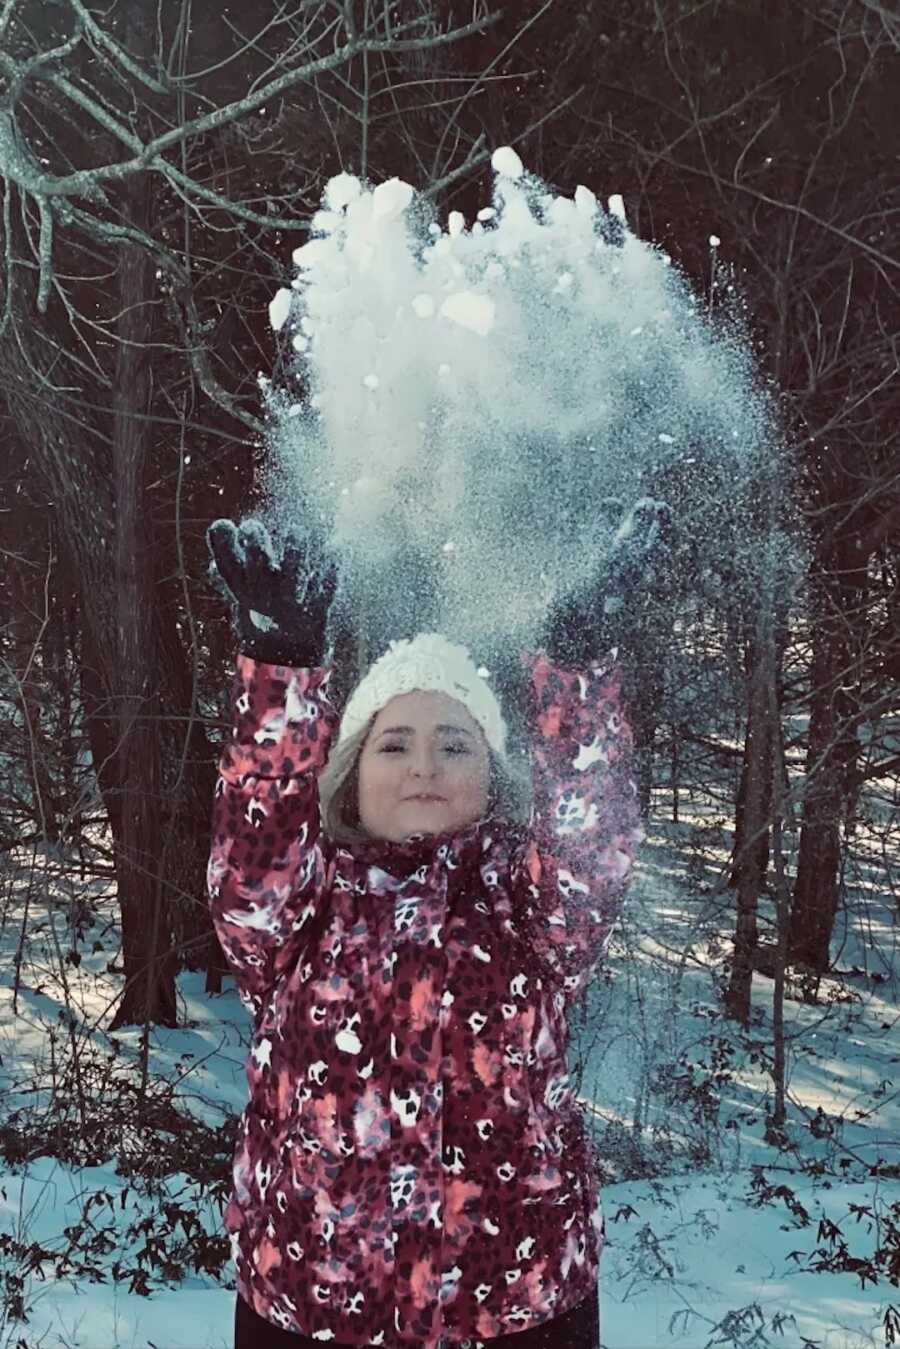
(751, 853)
(188, 795)
(831, 758)
(61, 645)
(71, 460)
(775, 1122)
(27, 618)
(149, 993)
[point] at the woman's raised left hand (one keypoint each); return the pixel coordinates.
(583, 625)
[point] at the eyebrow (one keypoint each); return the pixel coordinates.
(410, 730)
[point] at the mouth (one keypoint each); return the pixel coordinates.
(426, 800)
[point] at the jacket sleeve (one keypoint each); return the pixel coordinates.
(266, 868)
(571, 871)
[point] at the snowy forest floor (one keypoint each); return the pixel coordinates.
(111, 1237)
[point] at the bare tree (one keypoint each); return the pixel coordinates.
(129, 151)
(787, 172)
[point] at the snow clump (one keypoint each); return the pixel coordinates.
(279, 308)
(513, 386)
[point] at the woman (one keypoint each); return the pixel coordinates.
(411, 1169)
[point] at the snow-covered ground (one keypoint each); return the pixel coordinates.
(709, 1227)
(693, 1257)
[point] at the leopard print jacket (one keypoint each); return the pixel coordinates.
(412, 1168)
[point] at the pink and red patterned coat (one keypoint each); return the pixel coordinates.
(412, 1168)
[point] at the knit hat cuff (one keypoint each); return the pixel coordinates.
(429, 662)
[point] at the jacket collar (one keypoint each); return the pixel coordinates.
(460, 845)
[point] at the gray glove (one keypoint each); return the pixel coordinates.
(585, 625)
(279, 605)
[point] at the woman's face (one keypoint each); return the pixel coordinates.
(422, 744)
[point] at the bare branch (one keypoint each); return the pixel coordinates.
(475, 160)
(45, 255)
(119, 54)
(17, 163)
(7, 13)
(183, 297)
(477, 84)
(892, 264)
(890, 20)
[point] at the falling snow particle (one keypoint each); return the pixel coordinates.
(371, 381)
(667, 440)
(325, 222)
(279, 308)
(475, 312)
(507, 163)
(341, 190)
(449, 546)
(585, 200)
(391, 199)
(307, 255)
(714, 241)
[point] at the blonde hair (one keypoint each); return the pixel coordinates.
(339, 790)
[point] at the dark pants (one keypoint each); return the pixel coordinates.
(577, 1329)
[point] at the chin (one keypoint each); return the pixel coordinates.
(427, 816)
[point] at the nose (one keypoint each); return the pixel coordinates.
(423, 761)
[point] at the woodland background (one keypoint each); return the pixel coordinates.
(159, 163)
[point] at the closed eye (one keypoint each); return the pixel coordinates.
(399, 749)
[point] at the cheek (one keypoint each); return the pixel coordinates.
(474, 779)
(374, 770)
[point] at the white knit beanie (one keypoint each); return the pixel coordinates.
(429, 662)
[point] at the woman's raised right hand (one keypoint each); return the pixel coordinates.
(279, 605)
